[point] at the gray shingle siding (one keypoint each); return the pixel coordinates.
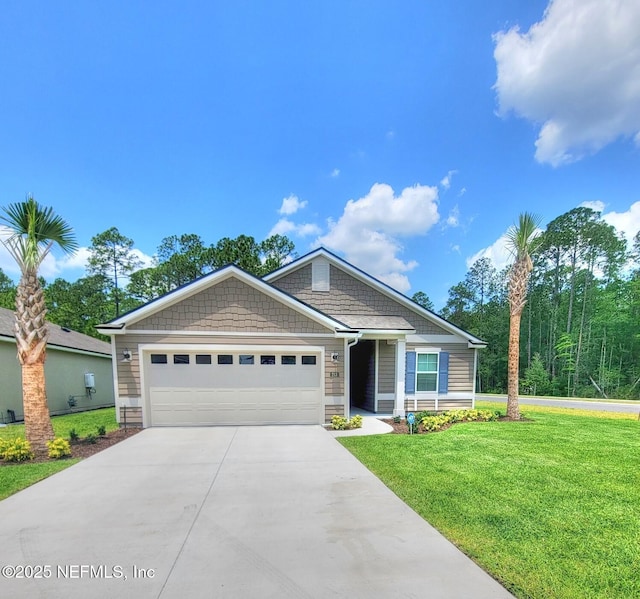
(231, 305)
(348, 295)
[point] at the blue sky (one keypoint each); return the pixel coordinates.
(406, 137)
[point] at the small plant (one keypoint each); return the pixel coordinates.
(59, 448)
(91, 438)
(102, 430)
(338, 423)
(355, 422)
(397, 419)
(74, 437)
(17, 450)
(3, 445)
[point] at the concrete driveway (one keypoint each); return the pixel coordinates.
(238, 512)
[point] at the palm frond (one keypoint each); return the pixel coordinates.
(524, 239)
(34, 229)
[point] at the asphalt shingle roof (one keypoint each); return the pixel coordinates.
(58, 336)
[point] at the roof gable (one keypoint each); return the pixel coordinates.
(195, 306)
(295, 279)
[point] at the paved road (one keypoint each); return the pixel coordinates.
(581, 404)
(238, 512)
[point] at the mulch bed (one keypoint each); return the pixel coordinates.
(402, 428)
(83, 449)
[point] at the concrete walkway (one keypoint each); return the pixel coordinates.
(239, 512)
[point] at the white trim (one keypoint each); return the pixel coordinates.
(443, 339)
(376, 372)
(424, 395)
(386, 290)
(114, 374)
(185, 333)
(475, 377)
(401, 357)
(232, 347)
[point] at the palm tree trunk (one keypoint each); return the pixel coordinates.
(513, 369)
(37, 421)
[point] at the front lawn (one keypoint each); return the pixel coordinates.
(550, 507)
(15, 477)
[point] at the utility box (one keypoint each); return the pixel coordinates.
(89, 380)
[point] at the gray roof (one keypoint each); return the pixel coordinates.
(368, 321)
(58, 336)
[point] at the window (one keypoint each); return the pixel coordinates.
(311, 360)
(246, 359)
(158, 358)
(203, 359)
(180, 358)
(427, 372)
(320, 275)
(225, 359)
(267, 359)
(288, 360)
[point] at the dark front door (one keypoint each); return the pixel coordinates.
(362, 375)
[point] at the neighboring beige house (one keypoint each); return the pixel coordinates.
(78, 371)
(315, 338)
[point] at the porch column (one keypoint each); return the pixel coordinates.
(401, 350)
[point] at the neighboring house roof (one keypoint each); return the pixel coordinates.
(58, 336)
(208, 280)
(376, 284)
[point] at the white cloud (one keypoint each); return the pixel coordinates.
(367, 232)
(445, 182)
(335, 173)
(284, 226)
(497, 252)
(291, 205)
(453, 220)
(627, 223)
(596, 205)
(576, 73)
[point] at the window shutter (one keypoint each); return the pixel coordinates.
(443, 372)
(410, 373)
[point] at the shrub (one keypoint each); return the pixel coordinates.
(3, 445)
(340, 423)
(355, 422)
(17, 450)
(74, 437)
(59, 448)
(91, 438)
(102, 430)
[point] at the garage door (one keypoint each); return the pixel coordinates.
(240, 387)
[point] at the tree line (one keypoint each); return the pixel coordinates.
(579, 326)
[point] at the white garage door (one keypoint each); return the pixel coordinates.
(239, 387)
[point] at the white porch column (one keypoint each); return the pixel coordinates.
(401, 350)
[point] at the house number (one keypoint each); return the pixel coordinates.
(334, 375)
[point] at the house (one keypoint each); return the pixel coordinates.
(78, 371)
(315, 338)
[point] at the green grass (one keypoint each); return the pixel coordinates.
(15, 477)
(550, 507)
(83, 422)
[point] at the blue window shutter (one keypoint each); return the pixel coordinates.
(410, 373)
(443, 372)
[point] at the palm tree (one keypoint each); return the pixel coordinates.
(33, 230)
(522, 242)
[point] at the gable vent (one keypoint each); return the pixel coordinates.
(319, 275)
